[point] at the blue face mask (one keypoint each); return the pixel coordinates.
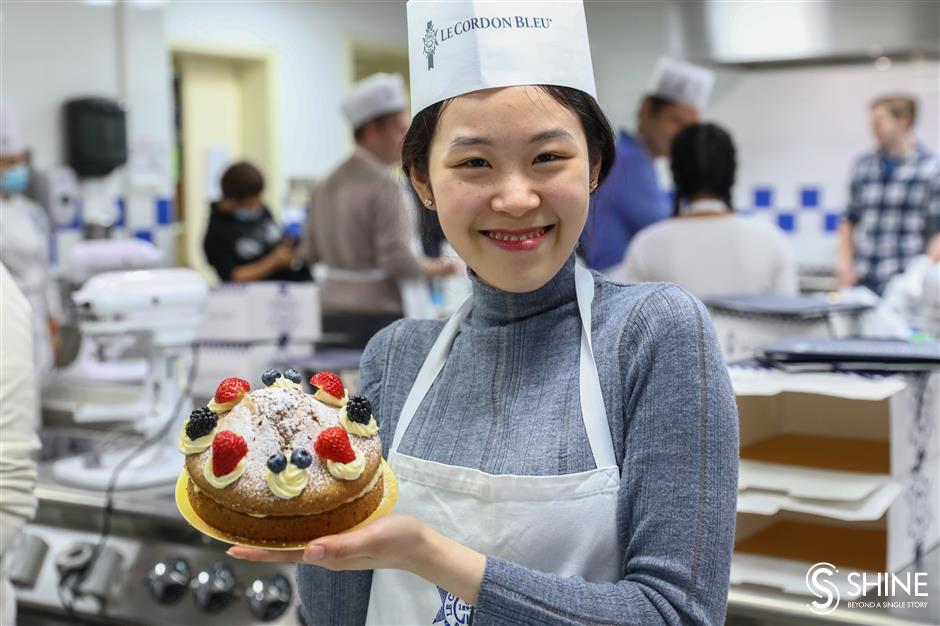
(243, 214)
(14, 179)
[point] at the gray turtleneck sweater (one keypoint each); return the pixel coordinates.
(673, 421)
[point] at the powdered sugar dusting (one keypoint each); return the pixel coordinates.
(275, 420)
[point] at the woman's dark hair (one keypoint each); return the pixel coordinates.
(703, 161)
(242, 180)
(600, 137)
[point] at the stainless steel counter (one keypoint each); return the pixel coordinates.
(153, 569)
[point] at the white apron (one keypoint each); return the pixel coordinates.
(529, 520)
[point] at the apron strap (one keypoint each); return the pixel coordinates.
(593, 410)
(432, 366)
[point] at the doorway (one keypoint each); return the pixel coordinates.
(224, 112)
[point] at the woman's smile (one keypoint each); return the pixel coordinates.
(524, 239)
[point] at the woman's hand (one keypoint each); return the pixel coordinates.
(391, 542)
(443, 266)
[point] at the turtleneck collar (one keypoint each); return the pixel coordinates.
(495, 307)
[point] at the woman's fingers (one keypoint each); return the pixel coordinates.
(388, 542)
(333, 548)
(267, 556)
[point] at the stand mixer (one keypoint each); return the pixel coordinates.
(162, 307)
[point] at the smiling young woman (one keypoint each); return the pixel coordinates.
(565, 446)
(512, 169)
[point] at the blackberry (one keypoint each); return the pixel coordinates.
(301, 458)
(269, 377)
(359, 409)
(292, 375)
(201, 423)
(277, 463)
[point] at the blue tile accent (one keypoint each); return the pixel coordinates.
(786, 222)
(145, 234)
(809, 197)
(121, 213)
(164, 211)
(831, 224)
(763, 197)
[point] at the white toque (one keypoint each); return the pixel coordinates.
(375, 96)
(464, 46)
(11, 141)
(682, 82)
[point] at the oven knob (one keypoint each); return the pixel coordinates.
(168, 580)
(213, 588)
(269, 598)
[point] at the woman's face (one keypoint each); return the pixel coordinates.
(510, 177)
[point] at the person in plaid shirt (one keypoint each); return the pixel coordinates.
(894, 200)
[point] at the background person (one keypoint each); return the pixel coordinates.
(706, 248)
(894, 200)
(631, 199)
(24, 241)
(243, 242)
(361, 229)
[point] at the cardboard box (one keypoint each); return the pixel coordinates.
(835, 468)
(262, 312)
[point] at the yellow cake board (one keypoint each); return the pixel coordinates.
(389, 497)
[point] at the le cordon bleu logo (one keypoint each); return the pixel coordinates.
(433, 36)
(891, 590)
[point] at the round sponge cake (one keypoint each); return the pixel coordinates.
(284, 419)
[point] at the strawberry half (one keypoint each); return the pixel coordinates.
(228, 449)
(231, 390)
(333, 445)
(330, 383)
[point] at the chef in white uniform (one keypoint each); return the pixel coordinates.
(24, 238)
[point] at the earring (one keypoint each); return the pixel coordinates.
(428, 202)
(593, 185)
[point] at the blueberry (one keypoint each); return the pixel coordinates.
(277, 463)
(301, 458)
(269, 377)
(359, 409)
(292, 375)
(201, 423)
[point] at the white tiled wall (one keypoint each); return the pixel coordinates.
(799, 130)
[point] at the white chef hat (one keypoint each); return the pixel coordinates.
(374, 96)
(11, 142)
(682, 82)
(459, 47)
